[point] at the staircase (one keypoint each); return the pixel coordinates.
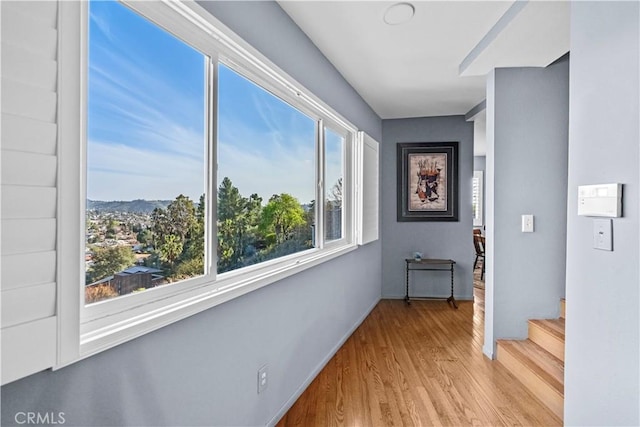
(538, 362)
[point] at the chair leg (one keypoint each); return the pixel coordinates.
(475, 262)
(482, 272)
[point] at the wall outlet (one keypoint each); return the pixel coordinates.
(263, 379)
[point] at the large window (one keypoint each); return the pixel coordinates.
(146, 155)
(202, 165)
(189, 170)
(266, 175)
(205, 172)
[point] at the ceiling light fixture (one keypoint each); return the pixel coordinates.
(399, 13)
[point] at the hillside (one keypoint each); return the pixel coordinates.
(137, 206)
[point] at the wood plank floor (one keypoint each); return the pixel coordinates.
(417, 365)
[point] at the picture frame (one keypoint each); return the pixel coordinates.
(427, 181)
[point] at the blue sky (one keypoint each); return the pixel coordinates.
(333, 149)
(146, 126)
(264, 145)
(146, 110)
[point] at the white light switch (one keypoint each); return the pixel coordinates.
(602, 234)
(527, 223)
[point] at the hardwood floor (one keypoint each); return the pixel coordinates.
(417, 365)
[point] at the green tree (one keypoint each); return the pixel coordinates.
(108, 261)
(281, 216)
(238, 219)
(160, 225)
(170, 248)
(190, 268)
(250, 221)
(178, 233)
(230, 202)
(227, 256)
(310, 223)
(182, 214)
(194, 247)
(178, 219)
(145, 237)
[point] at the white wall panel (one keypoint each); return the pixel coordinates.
(22, 305)
(28, 101)
(28, 169)
(20, 29)
(370, 190)
(29, 135)
(20, 270)
(26, 67)
(29, 42)
(20, 201)
(28, 235)
(43, 12)
(28, 348)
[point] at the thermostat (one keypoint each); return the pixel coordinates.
(600, 200)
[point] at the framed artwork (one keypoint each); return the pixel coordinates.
(428, 181)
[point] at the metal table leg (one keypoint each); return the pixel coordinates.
(451, 299)
(406, 281)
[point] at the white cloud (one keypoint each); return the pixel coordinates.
(102, 24)
(260, 163)
(120, 172)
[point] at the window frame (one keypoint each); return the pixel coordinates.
(131, 301)
(478, 217)
(348, 181)
(86, 330)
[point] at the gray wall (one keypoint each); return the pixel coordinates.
(435, 239)
(203, 370)
(603, 299)
(527, 138)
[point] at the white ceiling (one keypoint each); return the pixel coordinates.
(414, 69)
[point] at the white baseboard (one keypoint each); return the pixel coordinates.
(314, 373)
(488, 351)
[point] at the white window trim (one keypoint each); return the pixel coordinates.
(82, 335)
(478, 221)
(366, 209)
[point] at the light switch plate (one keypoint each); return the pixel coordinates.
(602, 234)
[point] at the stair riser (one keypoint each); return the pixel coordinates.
(548, 341)
(543, 391)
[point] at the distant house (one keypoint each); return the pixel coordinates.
(132, 278)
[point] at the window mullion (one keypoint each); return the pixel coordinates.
(349, 188)
(211, 229)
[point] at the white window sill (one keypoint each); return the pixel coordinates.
(103, 333)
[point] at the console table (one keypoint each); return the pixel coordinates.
(426, 264)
